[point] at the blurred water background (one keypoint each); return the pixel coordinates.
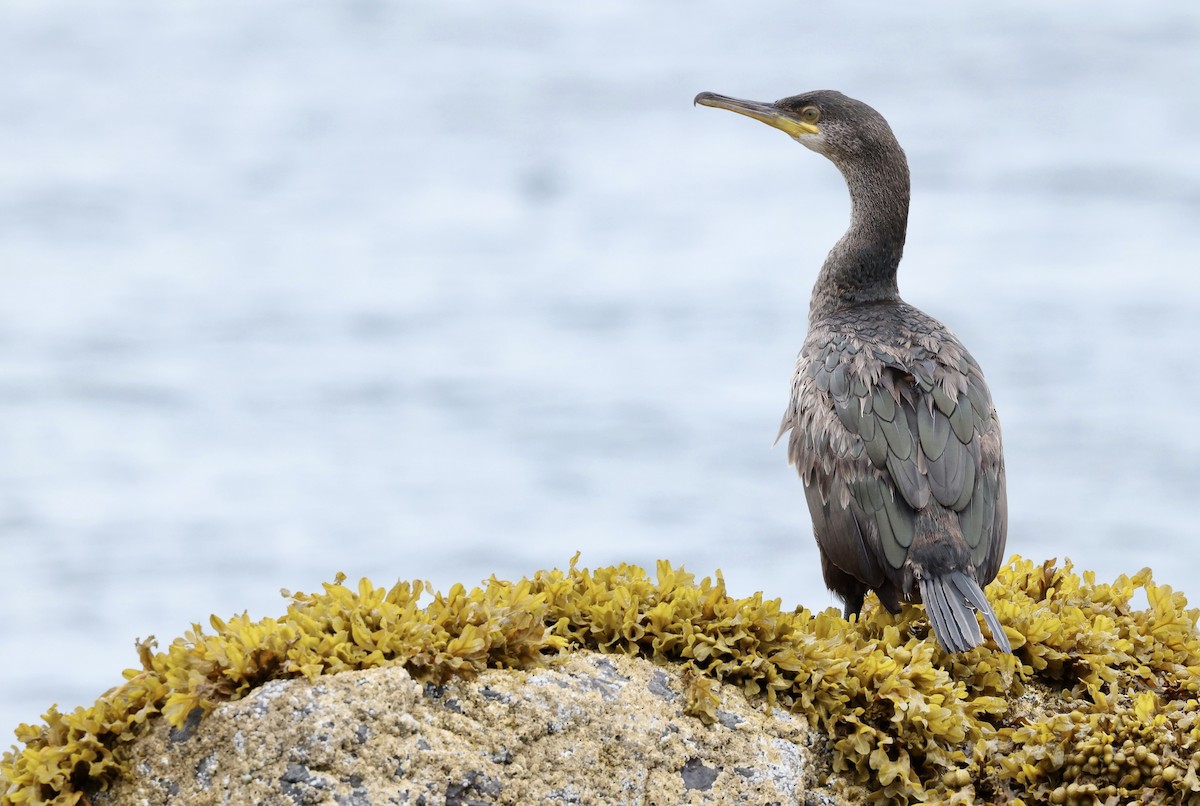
(444, 289)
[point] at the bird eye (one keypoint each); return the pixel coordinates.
(810, 114)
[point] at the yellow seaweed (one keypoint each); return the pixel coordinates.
(1099, 701)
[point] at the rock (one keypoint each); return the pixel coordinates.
(595, 729)
(1098, 700)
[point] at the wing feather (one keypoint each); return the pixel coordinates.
(877, 433)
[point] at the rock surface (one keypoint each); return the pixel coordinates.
(596, 729)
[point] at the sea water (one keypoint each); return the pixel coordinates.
(442, 290)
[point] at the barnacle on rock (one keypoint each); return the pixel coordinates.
(1100, 701)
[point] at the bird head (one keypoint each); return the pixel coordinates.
(825, 121)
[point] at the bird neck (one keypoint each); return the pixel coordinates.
(861, 267)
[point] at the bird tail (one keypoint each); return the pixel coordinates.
(951, 601)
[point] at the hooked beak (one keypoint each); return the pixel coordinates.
(769, 114)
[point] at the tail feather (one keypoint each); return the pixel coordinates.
(953, 624)
(949, 600)
(944, 627)
(963, 615)
(970, 589)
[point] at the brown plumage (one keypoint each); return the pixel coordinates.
(892, 426)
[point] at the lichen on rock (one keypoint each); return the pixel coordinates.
(594, 729)
(1098, 701)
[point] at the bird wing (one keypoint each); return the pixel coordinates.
(877, 434)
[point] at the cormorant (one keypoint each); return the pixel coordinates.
(892, 426)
